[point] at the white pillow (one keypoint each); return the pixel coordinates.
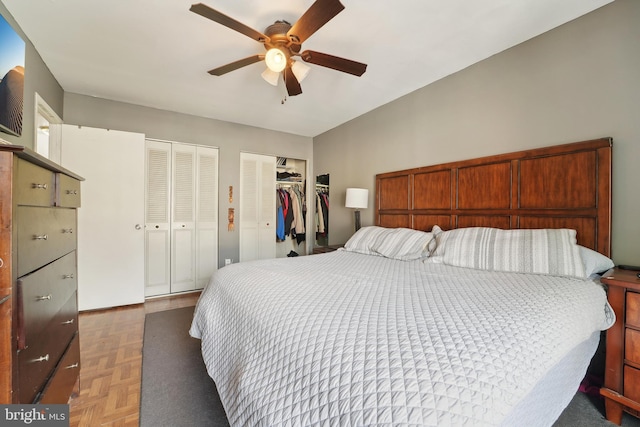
(538, 251)
(397, 243)
(594, 262)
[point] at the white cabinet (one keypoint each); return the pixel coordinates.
(110, 236)
(257, 207)
(181, 228)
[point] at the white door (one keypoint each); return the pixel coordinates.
(183, 219)
(157, 218)
(257, 207)
(206, 215)
(110, 235)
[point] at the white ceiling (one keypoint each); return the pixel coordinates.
(157, 53)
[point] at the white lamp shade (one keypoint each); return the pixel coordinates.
(357, 198)
(270, 77)
(300, 70)
(276, 60)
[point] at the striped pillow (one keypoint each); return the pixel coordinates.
(362, 240)
(538, 251)
(397, 243)
(403, 244)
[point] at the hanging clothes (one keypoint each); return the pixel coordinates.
(325, 211)
(287, 211)
(322, 213)
(280, 236)
(319, 215)
(298, 207)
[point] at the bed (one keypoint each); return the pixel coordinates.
(451, 310)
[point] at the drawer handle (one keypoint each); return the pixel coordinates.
(68, 276)
(43, 297)
(72, 191)
(41, 237)
(41, 186)
(44, 358)
(68, 322)
(67, 230)
(75, 365)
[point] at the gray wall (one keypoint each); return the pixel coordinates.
(577, 82)
(38, 79)
(230, 138)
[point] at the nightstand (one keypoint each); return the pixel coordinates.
(622, 370)
(325, 249)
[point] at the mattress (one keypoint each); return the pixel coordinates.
(349, 339)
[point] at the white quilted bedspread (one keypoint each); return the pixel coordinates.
(350, 339)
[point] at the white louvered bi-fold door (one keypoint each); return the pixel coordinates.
(181, 228)
(257, 207)
(183, 221)
(206, 214)
(157, 218)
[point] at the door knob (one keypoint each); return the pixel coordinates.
(138, 227)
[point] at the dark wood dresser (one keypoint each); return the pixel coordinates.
(622, 370)
(39, 344)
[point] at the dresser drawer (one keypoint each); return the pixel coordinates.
(44, 234)
(633, 309)
(632, 383)
(34, 186)
(64, 378)
(68, 191)
(632, 345)
(5, 348)
(38, 360)
(43, 293)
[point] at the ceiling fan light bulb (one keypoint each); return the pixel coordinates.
(270, 77)
(300, 70)
(276, 60)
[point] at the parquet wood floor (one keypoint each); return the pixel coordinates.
(111, 362)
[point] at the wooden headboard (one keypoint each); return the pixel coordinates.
(564, 186)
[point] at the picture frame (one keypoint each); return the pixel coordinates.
(12, 72)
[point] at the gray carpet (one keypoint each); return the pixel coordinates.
(176, 390)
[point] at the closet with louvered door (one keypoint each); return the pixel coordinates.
(181, 226)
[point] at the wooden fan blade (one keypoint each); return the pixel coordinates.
(292, 83)
(334, 62)
(318, 14)
(220, 18)
(235, 65)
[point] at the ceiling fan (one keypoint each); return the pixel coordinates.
(283, 42)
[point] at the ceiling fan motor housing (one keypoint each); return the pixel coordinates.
(277, 33)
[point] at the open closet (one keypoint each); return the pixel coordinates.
(291, 207)
(273, 207)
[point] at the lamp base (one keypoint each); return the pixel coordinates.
(357, 215)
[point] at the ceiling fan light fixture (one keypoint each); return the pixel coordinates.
(300, 70)
(270, 77)
(276, 60)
